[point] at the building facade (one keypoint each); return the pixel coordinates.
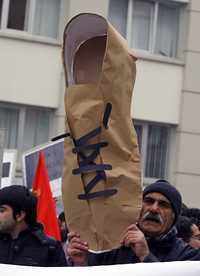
(166, 98)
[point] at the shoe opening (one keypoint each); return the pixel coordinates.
(84, 48)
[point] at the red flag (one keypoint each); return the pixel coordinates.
(46, 210)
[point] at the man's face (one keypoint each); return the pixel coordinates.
(7, 221)
(156, 217)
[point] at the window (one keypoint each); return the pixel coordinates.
(118, 14)
(46, 18)
(9, 120)
(39, 17)
(148, 25)
(142, 24)
(153, 140)
(25, 127)
(36, 127)
(16, 14)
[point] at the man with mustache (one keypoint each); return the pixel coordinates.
(153, 239)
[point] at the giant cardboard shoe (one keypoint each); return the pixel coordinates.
(102, 176)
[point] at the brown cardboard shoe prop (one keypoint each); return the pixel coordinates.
(102, 177)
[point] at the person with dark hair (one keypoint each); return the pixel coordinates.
(183, 227)
(22, 240)
(193, 213)
(152, 239)
(188, 231)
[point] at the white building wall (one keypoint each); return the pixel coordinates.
(187, 169)
(157, 91)
(30, 72)
(77, 6)
(195, 5)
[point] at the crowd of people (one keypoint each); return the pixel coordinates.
(166, 231)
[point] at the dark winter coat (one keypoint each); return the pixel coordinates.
(33, 248)
(164, 249)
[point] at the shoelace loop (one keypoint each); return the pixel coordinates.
(87, 161)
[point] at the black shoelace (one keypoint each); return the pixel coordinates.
(87, 162)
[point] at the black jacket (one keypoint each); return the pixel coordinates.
(32, 247)
(164, 249)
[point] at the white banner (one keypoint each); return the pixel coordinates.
(141, 269)
(9, 164)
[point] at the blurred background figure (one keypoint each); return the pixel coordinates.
(195, 239)
(63, 227)
(63, 232)
(188, 231)
(192, 213)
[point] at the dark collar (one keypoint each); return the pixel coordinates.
(23, 233)
(164, 240)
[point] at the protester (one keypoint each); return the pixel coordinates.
(188, 231)
(22, 241)
(184, 228)
(153, 239)
(63, 232)
(193, 213)
(63, 227)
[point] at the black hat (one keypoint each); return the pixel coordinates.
(169, 191)
(19, 198)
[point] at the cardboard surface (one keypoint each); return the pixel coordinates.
(106, 79)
